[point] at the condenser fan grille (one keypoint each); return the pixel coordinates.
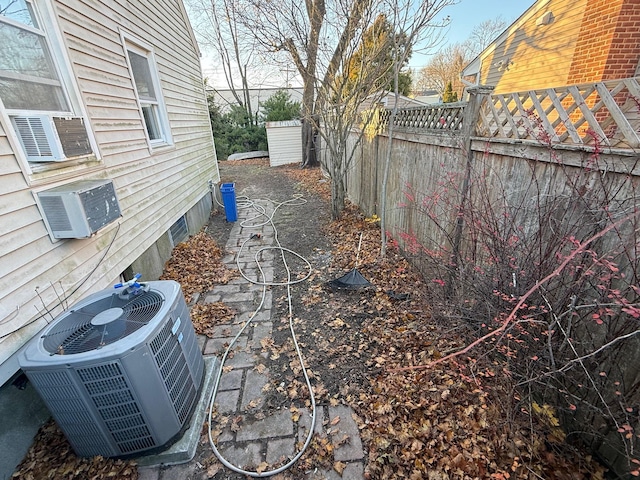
(101, 323)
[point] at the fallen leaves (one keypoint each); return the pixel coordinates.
(310, 180)
(205, 316)
(339, 467)
(51, 456)
(196, 264)
(446, 422)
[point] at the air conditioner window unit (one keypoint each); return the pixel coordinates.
(47, 138)
(120, 374)
(79, 209)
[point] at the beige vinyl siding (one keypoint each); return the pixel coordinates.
(541, 55)
(154, 186)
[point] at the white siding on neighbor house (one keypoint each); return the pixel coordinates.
(154, 187)
(285, 142)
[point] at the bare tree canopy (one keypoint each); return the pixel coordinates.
(483, 34)
(216, 25)
(323, 40)
(445, 66)
(374, 57)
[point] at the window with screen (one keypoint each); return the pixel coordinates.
(147, 85)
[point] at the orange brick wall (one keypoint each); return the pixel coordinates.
(625, 54)
(608, 45)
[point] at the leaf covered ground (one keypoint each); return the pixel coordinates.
(455, 420)
(51, 457)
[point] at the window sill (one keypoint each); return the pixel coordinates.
(42, 173)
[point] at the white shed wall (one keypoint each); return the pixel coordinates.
(285, 142)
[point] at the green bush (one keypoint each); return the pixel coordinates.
(279, 107)
(236, 132)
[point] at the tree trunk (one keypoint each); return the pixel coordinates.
(337, 196)
(308, 125)
(309, 158)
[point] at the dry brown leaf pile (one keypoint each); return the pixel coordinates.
(456, 420)
(205, 316)
(51, 457)
(196, 264)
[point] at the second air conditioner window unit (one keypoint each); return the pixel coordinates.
(79, 209)
(47, 138)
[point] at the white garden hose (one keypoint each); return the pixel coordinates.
(244, 202)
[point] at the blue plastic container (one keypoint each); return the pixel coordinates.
(228, 192)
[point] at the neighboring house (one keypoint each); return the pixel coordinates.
(562, 42)
(428, 97)
(109, 91)
(387, 100)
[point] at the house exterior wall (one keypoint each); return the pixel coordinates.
(535, 56)
(587, 41)
(594, 41)
(608, 45)
(155, 184)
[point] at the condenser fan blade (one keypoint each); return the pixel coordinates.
(102, 323)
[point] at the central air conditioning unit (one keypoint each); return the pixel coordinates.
(120, 371)
(52, 139)
(79, 209)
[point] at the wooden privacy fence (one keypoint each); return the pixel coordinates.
(595, 114)
(569, 152)
(604, 113)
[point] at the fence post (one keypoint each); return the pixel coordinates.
(477, 95)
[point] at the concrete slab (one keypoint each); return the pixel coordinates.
(231, 380)
(260, 331)
(280, 449)
(22, 413)
(184, 449)
(217, 346)
(304, 423)
(248, 456)
(253, 388)
(227, 401)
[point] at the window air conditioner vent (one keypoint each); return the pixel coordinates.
(73, 136)
(79, 209)
(52, 139)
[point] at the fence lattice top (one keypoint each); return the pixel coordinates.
(443, 116)
(596, 114)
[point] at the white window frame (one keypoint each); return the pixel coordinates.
(49, 30)
(156, 105)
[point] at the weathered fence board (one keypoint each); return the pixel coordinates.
(551, 151)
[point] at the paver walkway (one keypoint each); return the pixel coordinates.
(255, 437)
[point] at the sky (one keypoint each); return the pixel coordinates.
(465, 15)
